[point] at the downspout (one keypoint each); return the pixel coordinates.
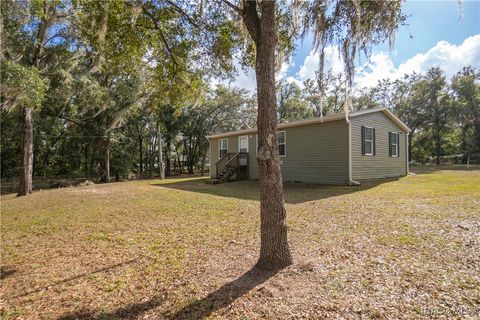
(351, 182)
(407, 155)
(210, 169)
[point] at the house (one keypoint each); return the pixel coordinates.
(338, 149)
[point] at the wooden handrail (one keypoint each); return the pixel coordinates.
(232, 160)
(221, 159)
(228, 162)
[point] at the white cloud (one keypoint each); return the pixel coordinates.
(333, 63)
(283, 70)
(246, 79)
(450, 57)
(379, 67)
(295, 80)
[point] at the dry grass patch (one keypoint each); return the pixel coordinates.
(179, 248)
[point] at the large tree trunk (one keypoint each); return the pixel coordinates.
(189, 153)
(27, 152)
(27, 122)
(180, 164)
(106, 160)
(93, 159)
(161, 171)
(168, 167)
(274, 249)
(190, 167)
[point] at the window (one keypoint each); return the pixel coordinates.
(393, 144)
(282, 143)
(223, 148)
(243, 144)
(368, 141)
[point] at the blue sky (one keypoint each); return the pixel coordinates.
(432, 21)
(437, 32)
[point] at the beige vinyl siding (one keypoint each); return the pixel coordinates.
(316, 153)
(381, 165)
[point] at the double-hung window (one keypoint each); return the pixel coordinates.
(393, 144)
(368, 141)
(222, 148)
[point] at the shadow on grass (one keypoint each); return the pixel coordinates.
(295, 193)
(70, 279)
(5, 272)
(199, 309)
(128, 312)
(224, 296)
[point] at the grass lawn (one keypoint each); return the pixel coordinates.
(180, 248)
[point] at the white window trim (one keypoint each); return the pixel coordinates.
(365, 140)
(248, 143)
(285, 143)
(397, 134)
(220, 147)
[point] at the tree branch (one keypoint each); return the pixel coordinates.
(162, 36)
(251, 19)
(71, 120)
(232, 6)
(182, 12)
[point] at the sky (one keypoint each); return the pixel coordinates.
(437, 33)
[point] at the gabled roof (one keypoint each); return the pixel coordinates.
(385, 111)
(305, 122)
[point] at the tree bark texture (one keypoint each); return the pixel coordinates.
(274, 249)
(27, 152)
(106, 160)
(168, 166)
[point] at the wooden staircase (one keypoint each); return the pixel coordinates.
(226, 173)
(231, 167)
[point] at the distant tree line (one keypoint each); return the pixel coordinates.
(90, 88)
(71, 149)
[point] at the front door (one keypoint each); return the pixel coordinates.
(243, 147)
(243, 144)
